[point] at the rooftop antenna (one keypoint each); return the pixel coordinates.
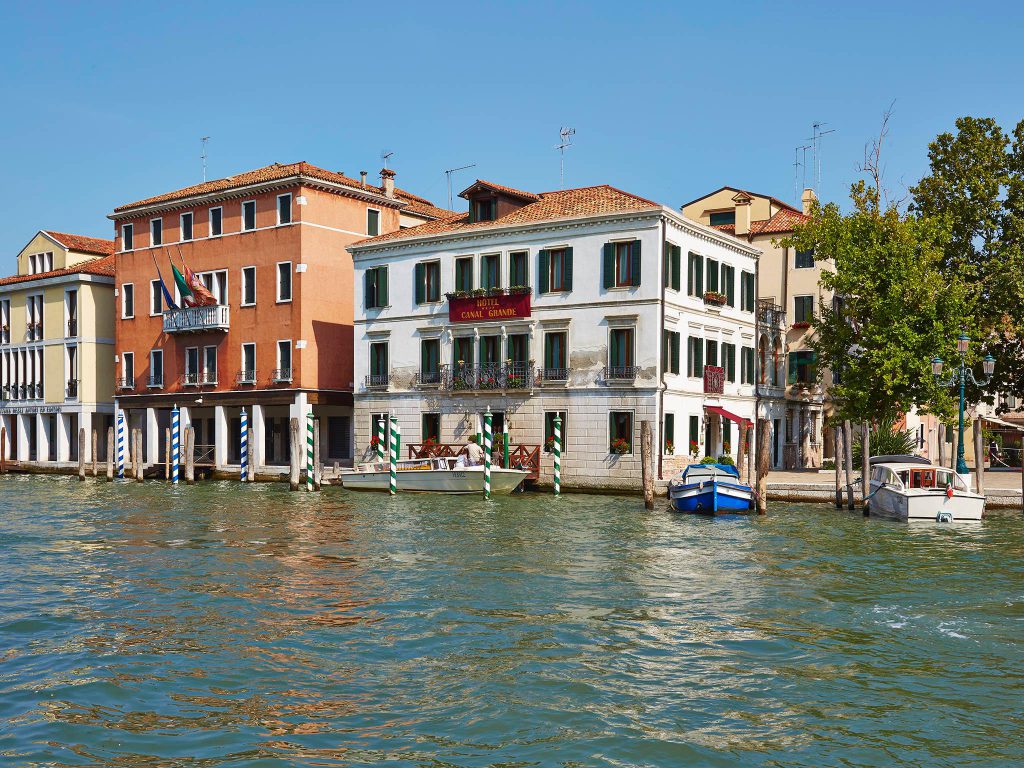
(797, 165)
(816, 146)
(566, 134)
(385, 155)
(448, 177)
(204, 140)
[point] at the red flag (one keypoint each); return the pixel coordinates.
(201, 296)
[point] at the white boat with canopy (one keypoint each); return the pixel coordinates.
(431, 475)
(911, 488)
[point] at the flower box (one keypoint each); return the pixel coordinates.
(802, 324)
(620, 446)
(714, 297)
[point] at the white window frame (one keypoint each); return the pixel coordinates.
(216, 363)
(277, 281)
(379, 217)
(181, 226)
(291, 218)
(155, 294)
(199, 366)
(125, 357)
(242, 227)
(130, 230)
(209, 222)
(291, 360)
(125, 286)
(211, 274)
(153, 354)
(632, 430)
(243, 369)
(151, 229)
(241, 299)
(480, 267)
(32, 261)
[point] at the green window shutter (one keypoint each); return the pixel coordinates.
(382, 286)
(369, 288)
(699, 356)
(544, 259)
(634, 262)
(712, 283)
(613, 354)
(670, 429)
(691, 274)
(664, 351)
(567, 267)
(727, 433)
(732, 363)
(729, 277)
(700, 276)
(675, 352)
(421, 283)
(547, 351)
(791, 377)
(694, 429)
(666, 265)
(677, 265)
(608, 265)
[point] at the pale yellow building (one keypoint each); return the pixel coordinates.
(57, 347)
(789, 296)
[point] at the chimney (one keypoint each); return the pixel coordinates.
(362, 179)
(808, 198)
(742, 216)
(387, 181)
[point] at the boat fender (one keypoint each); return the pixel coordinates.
(944, 517)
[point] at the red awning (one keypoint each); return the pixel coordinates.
(727, 414)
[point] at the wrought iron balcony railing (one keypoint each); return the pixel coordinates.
(199, 379)
(620, 372)
(155, 382)
(554, 374)
(71, 393)
(489, 376)
(246, 377)
(714, 380)
(428, 378)
(125, 383)
(378, 380)
(770, 314)
(197, 319)
(281, 375)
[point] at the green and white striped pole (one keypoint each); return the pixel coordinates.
(382, 440)
(487, 454)
(504, 440)
(558, 455)
(395, 431)
(309, 451)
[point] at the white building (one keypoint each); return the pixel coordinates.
(586, 303)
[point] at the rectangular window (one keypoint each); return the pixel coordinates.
(127, 237)
(729, 361)
(379, 429)
(192, 365)
(185, 226)
(748, 291)
(156, 368)
(462, 351)
(372, 222)
(248, 215)
(694, 434)
(695, 357)
(518, 348)
(803, 307)
(128, 368)
(728, 286)
(673, 266)
(803, 367)
(669, 433)
(490, 350)
(156, 298)
(248, 373)
(430, 361)
(284, 281)
(284, 209)
(284, 361)
(556, 265)
(490, 271)
(747, 366)
(428, 282)
(710, 352)
(723, 218)
(464, 274)
(71, 307)
(620, 352)
(127, 301)
(670, 352)
(621, 264)
(620, 432)
(375, 293)
(484, 210)
(556, 361)
(209, 365)
(216, 221)
(217, 284)
(694, 275)
(711, 269)
(249, 286)
(518, 269)
(549, 430)
(156, 232)
(805, 259)
(430, 430)
(378, 364)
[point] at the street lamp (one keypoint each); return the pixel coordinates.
(960, 377)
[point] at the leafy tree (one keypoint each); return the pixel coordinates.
(886, 440)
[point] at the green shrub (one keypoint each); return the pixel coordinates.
(828, 464)
(727, 460)
(708, 460)
(886, 440)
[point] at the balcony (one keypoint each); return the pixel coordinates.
(155, 382)
(5, 392)
(71, 393)
(281, 375)
(198, 379)
(125, 383)
(770, 314)
(487, 377)
(559, 375)
(73, 327)
(428, 379)
(378, 381)
(246, 377)
(34, 331)
(714, 380)
(621, 372)
(197, 319)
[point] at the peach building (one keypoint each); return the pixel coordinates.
(269, 244)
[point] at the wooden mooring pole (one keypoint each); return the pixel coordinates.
(110, 454)
(837, 454)
(764, 446)
(751, 435)
(741, 451)
(646, 473)
(848, 461)
(190, 454)
(979, 457)
(95, 452)
(3, 450)
(295, 454)
(865, 463)
(81, 454)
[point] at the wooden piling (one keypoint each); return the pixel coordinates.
(318, 473)
(167, 453)
(764, 447)
(190, 454)
(250, 452)
(848, 461)
(140, 462)
(979, 457)
(751, 433)
(81, 454)
(3, 450)
(865, 462)
(646, 473)
(337, 469)
(837, 454)
(295, 454)
(741, 451)
(95, 452)
(110, 454)
(940, 437)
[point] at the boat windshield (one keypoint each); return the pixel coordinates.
(932, 477)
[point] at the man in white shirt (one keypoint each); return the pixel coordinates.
(474, 453)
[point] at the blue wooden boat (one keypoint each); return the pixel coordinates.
(710, 489)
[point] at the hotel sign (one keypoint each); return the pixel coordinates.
(475, 309)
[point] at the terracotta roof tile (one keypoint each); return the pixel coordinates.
(103, 266)
(563, 204)
(783, 221)
(501, 188)
(82, 244)
(775, 200)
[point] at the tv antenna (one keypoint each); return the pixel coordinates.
(385, 155)
(566, 135)
(448, 178)
(799, 163)
(816, 147)
(203, 155)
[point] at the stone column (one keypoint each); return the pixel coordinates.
(153, 437)
(85, 422)
(63, 436)
(220, 436)
(42, 436)
(258, 424)
(22, 449)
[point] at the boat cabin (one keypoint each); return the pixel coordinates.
(919, 477)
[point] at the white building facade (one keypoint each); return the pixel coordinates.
(575, 304)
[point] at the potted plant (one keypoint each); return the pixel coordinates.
(714, 297)
(801, 324)
(727, 460)
(495, 291)
(670, 448)
(708, 460)
(694, 448)
(620, 446)
(549, 444)
(477, 293)
(518, 290)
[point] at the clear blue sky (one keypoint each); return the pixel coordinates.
(668, 100)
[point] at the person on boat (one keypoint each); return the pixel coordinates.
(474, 453)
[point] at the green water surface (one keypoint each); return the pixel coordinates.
(247, 626)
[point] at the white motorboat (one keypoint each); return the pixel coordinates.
(440, 475)
(911, 488)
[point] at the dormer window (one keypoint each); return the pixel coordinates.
(484, 210)
(723, 218)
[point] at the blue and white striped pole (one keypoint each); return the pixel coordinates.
(245, 446)
(175, 443)
(120, 444)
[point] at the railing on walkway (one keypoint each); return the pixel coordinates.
(204, 455)
(520, 456)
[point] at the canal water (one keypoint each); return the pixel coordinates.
(246, 626)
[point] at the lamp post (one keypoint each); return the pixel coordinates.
(960, 377)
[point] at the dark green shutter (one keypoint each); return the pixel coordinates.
(726, 434)
(698, 348)
(700, 276)
(729, 278)
(675, 353)
(542, 279)
(694, 429)
(670, 429)
(547, 351)
(382, 286)
(664, 351)
(712, 284)
(691, 274)
(421, 283)
(677, 266)
(732, 363)
(370, 288)
(666, 265)
(608, 265)
(567, 270)
(634, 262)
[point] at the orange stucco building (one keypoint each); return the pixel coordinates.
(269, 244)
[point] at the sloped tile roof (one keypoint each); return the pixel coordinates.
(81, 243)
(103, 267)
(550, 206)
(783, 221)
(775, 200)
(501, 188)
